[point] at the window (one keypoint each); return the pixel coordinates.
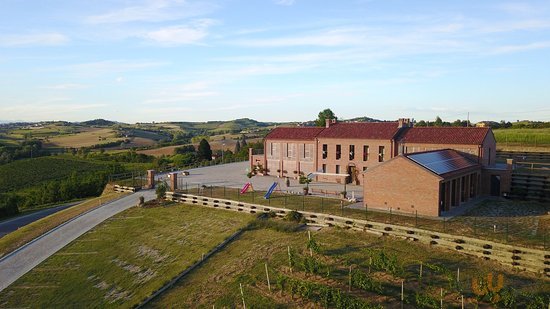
(324, 168)
(337, 169)
(325, 150)
(351, 152)
(275, 150)
(364, 168)
(338, 152)
(381, 153)
(365, 152)
(290, 150)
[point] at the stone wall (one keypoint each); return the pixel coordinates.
(521, 258)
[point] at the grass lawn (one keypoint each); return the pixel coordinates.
(526, 223)
(123, 260)
(381, 260)
(17, 238)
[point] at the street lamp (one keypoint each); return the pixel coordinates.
(223, 146)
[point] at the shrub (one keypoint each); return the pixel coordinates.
(161, 190)
(294, 216)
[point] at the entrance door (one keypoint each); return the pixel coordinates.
(495, 185)
(352, 172)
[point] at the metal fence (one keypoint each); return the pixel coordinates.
(502, 229)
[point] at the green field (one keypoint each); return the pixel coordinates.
(378, 264)
(29, 172)
(125, 259)
(523, 137)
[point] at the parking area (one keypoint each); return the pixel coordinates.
(233, 175)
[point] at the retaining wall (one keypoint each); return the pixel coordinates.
(119, 188)
(533, 260)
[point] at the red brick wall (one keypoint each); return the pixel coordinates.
(398, 184)
(344, 161)
(278, 159)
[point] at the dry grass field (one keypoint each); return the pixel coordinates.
(87, 137)
(157, 152)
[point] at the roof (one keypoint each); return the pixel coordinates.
(361, 130)
(294, 133)
(445, 135)
(442, 162)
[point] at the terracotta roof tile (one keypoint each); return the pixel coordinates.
(361, 130)
(445, 135)
(294, 133)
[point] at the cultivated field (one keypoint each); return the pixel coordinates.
(157, 152)
(26, 173)
(321, 277)
(85, 138)
(523, 139)
(122, 261)
(216, 144)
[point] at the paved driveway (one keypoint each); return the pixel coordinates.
(234, 175)
(19, 262)
(11, 225)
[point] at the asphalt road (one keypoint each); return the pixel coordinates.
(11, 225)
(19, 262)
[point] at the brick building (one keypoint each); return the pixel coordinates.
(393, 161)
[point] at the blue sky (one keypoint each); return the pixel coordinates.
(273, 60)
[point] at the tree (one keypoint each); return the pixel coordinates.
(438, 122)
(243, 141)
(204, 152)
(421, 123)
(325, 114)
(237, 147)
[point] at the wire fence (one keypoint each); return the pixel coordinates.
(529, 231)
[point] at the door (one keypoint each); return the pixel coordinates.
(352, 175)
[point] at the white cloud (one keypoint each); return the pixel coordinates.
(284, 2)
(65, 86)
(181, 34)
(181, 93)
(40, 39)
(153, 11)
(521, 47)
(324, 39)
(110, 66)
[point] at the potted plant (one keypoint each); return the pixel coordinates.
(305, 181)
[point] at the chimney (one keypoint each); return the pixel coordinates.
(327, 122)
(404, 123)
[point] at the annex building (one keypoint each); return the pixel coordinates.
(424, 170)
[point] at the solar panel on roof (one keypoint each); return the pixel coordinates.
(442, 161)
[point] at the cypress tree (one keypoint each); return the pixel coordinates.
(204, 152)
(237, 147)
